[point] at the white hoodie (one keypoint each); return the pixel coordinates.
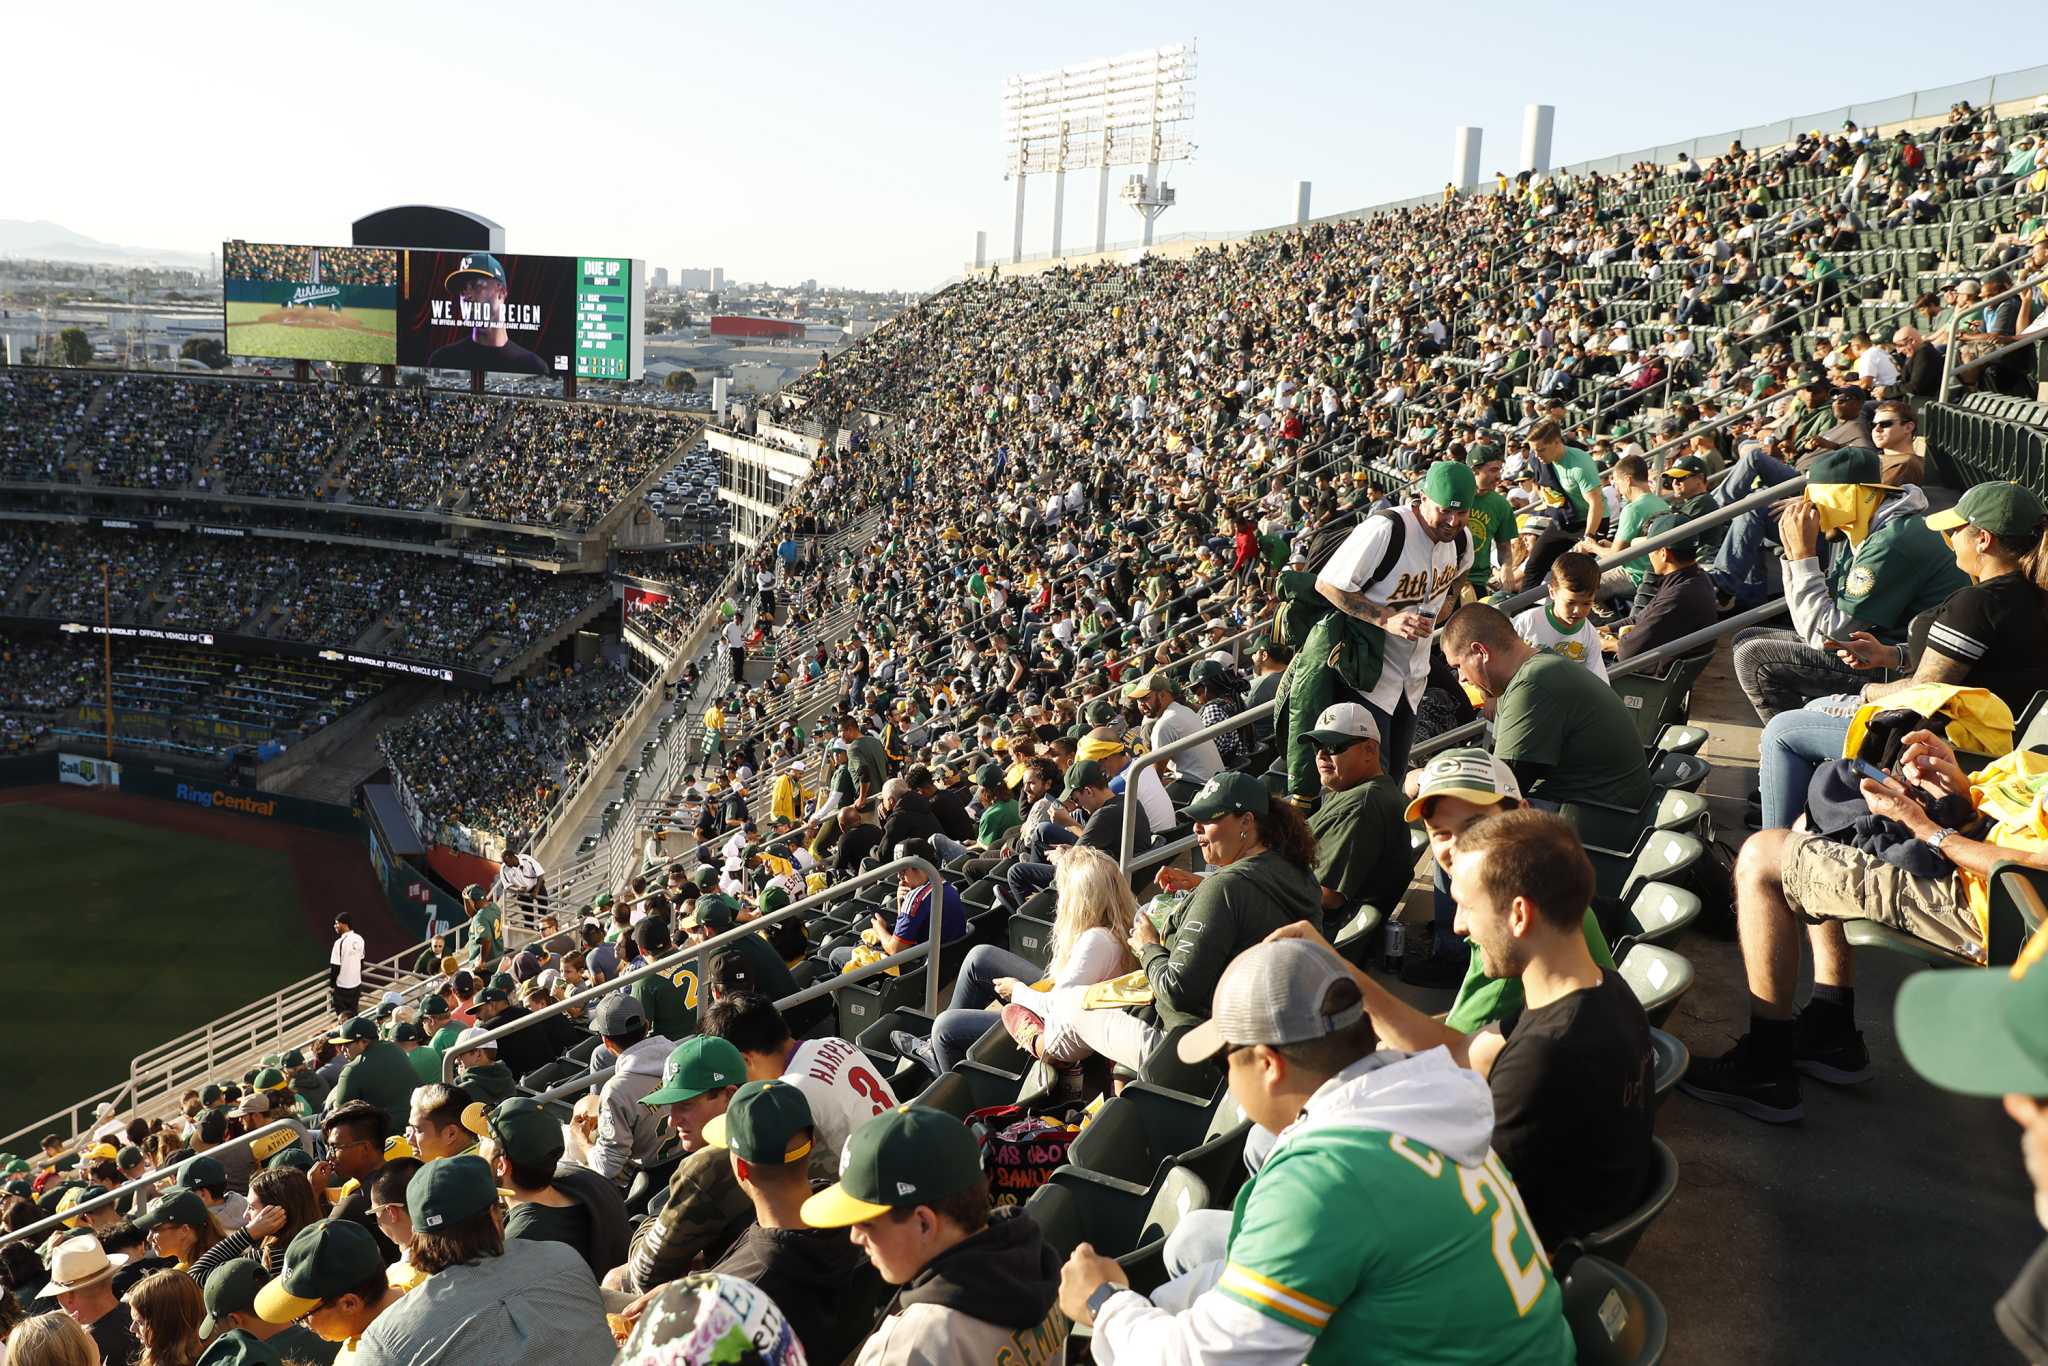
(1425, 1097)
(629, 1133)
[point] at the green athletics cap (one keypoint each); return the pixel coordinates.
(604, 901)
(324, 1261)
(128, 1156)
(178, 1205)
(203, 1171)
(1156, 681)
(700, 1063)
(2001, 508)
(1684, 467)
(210, 1095)
(294, 1060)
(705, 876)
(1849, 465)
(271, 1079)
(908, 1157)
(990, 775)
(1472, 774)
(449, 1191)
(358, 1030)
(295, 1157)
(1230, 794)
(1982, 1033)
(1084, 773)
(526, 1134)
(715, 912)
(1450, 485)
(240, 1349)
(473, 892)
(407, 1032)
(1685, 547)
(768, 1122)
(231, 1289)
(493, 996)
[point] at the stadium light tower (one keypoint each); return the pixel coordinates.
(1113, 111)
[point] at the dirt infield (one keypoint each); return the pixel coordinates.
(332, 872)
(317, 319)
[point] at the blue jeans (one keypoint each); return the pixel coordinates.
(1794, 744)
(1738, 564)
(968, 1018)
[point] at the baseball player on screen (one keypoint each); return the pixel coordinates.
(478, 281)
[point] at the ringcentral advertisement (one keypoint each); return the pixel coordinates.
(550, 316)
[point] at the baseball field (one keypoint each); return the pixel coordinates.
(133, 919)
(365, 336)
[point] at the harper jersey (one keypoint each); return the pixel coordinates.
(1540, 629)
(1421, 577)
(844, 1092)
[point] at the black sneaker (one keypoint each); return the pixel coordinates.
(1831, 1054)
(1736, 1082)
(918, 1050)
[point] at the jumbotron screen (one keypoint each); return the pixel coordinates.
(527, 315)
(310, 303)
(454, 310)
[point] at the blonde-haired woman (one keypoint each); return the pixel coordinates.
(1091, 921)
(51, 1340)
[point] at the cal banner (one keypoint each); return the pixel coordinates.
(310, 303)
(83, 772)
(476, 310)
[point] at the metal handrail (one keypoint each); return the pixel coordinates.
(142, 1185)
(1948, 357)
(1126, 838)
(1636, 549)
(930, 949)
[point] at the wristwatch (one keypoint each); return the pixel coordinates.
(1101, 1297)
(1937, 839)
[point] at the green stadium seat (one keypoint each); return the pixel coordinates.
(1681, 739)
(1679, 772)
(1658, 977)
(1671, 1058)
(1683, 811)
(1615, 1319)
(1658, 911)
(1138, 1132)
(1355, 939)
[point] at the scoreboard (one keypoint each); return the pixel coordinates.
(609, 341)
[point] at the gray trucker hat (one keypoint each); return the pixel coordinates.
(1273, 994)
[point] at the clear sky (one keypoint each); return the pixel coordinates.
(860, 143)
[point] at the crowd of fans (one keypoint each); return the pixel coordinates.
(496, 761)
(1114, 505)
(275, 263)
(557, 465)
(427, 607)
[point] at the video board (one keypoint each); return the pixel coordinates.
(457, 310)
(310, 303)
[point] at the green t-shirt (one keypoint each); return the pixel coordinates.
(671, 1004)
(1481, 999)
(426, 1063)
(1001, 817)
(1901, 570)
(1389, 1252)
(868, 762)
(1557, 717)
(1492, 524)
(1580, 480)
(1629, 525)
(486, 937)
(1362, 849)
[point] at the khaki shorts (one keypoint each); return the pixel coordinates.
(1826, 880)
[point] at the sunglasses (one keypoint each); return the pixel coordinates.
(1888, 422)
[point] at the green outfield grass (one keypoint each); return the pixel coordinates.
(378, 346)
(120, 936)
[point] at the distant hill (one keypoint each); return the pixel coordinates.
(42, 240)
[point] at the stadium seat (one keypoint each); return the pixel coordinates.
(1618, 1239)
(1678, 772)
(1670, 1059)
(1659, 911)
(1355, 939)
(1117, 1219)
(1163, 1067)
(874, 1040)
(1137, 1132)
(1656, 702)
(2014, 912)
(1681, 739)
(967, 1088)
(1615, 1319)
(1658, 977)
(1683, 811)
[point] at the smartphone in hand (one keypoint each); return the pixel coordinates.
(1870, 771)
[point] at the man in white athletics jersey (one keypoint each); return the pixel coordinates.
(1389, 583)
(837, 1079)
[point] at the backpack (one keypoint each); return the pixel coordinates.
(1019, 1150)
(1396, 543)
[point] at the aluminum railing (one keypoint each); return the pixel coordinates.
(1981, 309)
(1127, 837)
(143, 1186)
(927, 952)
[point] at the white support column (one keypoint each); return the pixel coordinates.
(980, 249)
(1059, 208)
(1465, 157)
(1102, 209)
(1537, 121)
(1017, 238)
(1301, 203)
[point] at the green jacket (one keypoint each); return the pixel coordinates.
(383, 1076)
